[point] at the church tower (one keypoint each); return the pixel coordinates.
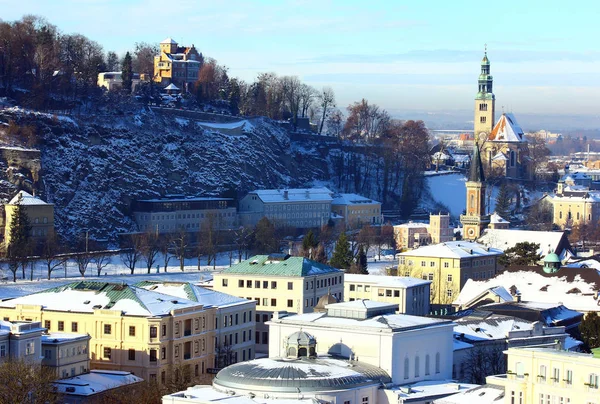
(475, 220)
(485, 101)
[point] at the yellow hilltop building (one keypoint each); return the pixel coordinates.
(40, 214)
(132, 329)
(176, 64)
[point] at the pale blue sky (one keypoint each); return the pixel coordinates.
(417, 55)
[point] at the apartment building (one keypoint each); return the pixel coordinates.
(168, 215)
(449, 265)
(410, 294)
(40, 214)
(356, 211)
(67, 354)
(176, 64)
(234, 318)
(131, 328)
(279, 282)
(297, 208)
(21, 340)
(549, 375)
(412, 234)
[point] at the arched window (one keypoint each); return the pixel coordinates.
(512, 158)
(472, 202)
(406, 367)
(437, 362)
(427, 365)
(417, 366)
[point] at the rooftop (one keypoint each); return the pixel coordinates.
(62, 337)
(280, 266)
(453, 249)
(352, 199)
(294, 195)
(189, 291)
(203, 394)
(486, 394)
(427, 391)
(386, 281)
(507, 130)
(97, 381)
(28, 199)
(503, 239)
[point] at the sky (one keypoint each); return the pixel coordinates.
(401, 55)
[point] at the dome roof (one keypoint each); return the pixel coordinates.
(285, 375)
(301, 338)
(485, 60)
(552, 258)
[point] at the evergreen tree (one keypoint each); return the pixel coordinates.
(19, 234)
(590, 330)
(342, 255)
(265, 240)
(127, 73)
(524, 253)
(360, 266)
(309, 244)
(503, 202)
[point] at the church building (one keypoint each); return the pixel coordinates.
(502, 144)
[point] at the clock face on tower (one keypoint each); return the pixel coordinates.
(471, 232)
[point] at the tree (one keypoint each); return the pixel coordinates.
(309, 244)
(132, 251)
(523, 253)
(320, 255)
(164, 246)
(342, 255)
(326, 99)
(100, 259)
(243, 237)
(366, 236)
(50, 254)
(127, 73)
(265, 240)
(589, 329)
(112, 61)
(360, 265)
(503, 202)
(179, 243)
(27, 382)
(143, 58)
(19, 233)
(540, 216)
(150, 248)
(482, 361)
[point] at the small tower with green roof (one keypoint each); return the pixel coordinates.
(551, 263)
(485, 101)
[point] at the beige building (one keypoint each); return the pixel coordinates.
(40, 214)
(448, 266)
(549, 375)
(356, 210)
(278, 282)
(169, 215)
(410, 294)
(113, 81)
(131, 329)
(573, 206)
(67, 354)
(297, 208)
(177, 65)
(411, 235)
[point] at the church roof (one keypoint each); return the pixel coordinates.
(507, 130)
(476, 171)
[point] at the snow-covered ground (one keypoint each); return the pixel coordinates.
(450, 190)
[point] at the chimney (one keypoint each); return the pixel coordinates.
(286, 194)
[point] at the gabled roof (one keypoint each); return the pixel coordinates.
(291, 266)
(27, 199)
(86, 296)
(508, 238)
(169, 40)
(507, 130)
(499, 157)
(496, 219)
(171, 87)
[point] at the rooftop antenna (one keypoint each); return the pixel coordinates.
(503, 110)
(485, 48)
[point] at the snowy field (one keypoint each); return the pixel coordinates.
(116, 271)
(450, 190)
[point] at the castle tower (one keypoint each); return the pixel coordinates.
(485, 101)
(168, 46)
(475, 220)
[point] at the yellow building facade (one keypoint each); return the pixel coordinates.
(356, 210)
(40, 214)
(176, 64)
(131, 329)
(548, 375)
(570, 209)
(448, 266)
(279, 282)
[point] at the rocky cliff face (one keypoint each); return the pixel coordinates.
(93, 168)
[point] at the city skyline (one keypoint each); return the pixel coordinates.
(403, 57)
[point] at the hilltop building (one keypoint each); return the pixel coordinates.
(131, 328)
(177, 65)
(449, 266)
(40, 214)
(298, 208)
(279, 282)
(113, 81)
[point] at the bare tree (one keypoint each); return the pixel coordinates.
(180, 243)
(51, 250)
(101, 259)
(326, 99)
(306, 97)
(164, 246)
(150, 248)
(26, 382)
(132, 252)
(82, 259)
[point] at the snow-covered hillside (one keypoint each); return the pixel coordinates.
(94, 168)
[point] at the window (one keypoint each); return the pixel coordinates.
(482, 119)
(265, 338)
(265, 301)
(265, 318)
(520, 370)
(290, 285)
(273, 284)
(430, 276)
(290, 303)
(352, 288)
(273, 302)
(163, 353)
(241, 283)
(437, 362)
(107, 329)
(47, 353)
(449, 292)
(164, 330)
(396, 293)
(249, 284)
(555, 375)
(569, 379)
(542, 374)
(432, 263)
(388, 293)
(107, 352)
(446, 264)
(417, 366)
(73, 326)
(406, 367)
(132, 331)
(131, 354)
(449, 277)
(2, 351)
(29, 348)
(593, 381)
(257, 284)
(427, 365)
(47, 324)
(224, 282)
(365, 400)
(423, 263)
(265, 284)
(61, 326)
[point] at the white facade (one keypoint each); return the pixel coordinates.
(21, 341)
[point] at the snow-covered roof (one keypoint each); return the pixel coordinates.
(582, 197)
(352, 199)
(171, 87)
(189, 291)
(86, 296)
(453, 249)
(503, 239)
(61, 337)
(499, 156)
(385, 281)
(294, 195)
(412, 225)
(169, 40)
(507, 130)
(27, 199)
(570, 290)
(381, 323)
(497, 219)
(204, 394)
(491, 328)
(426, 391)
(280, 266)
(97, 381)
(486, 394)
